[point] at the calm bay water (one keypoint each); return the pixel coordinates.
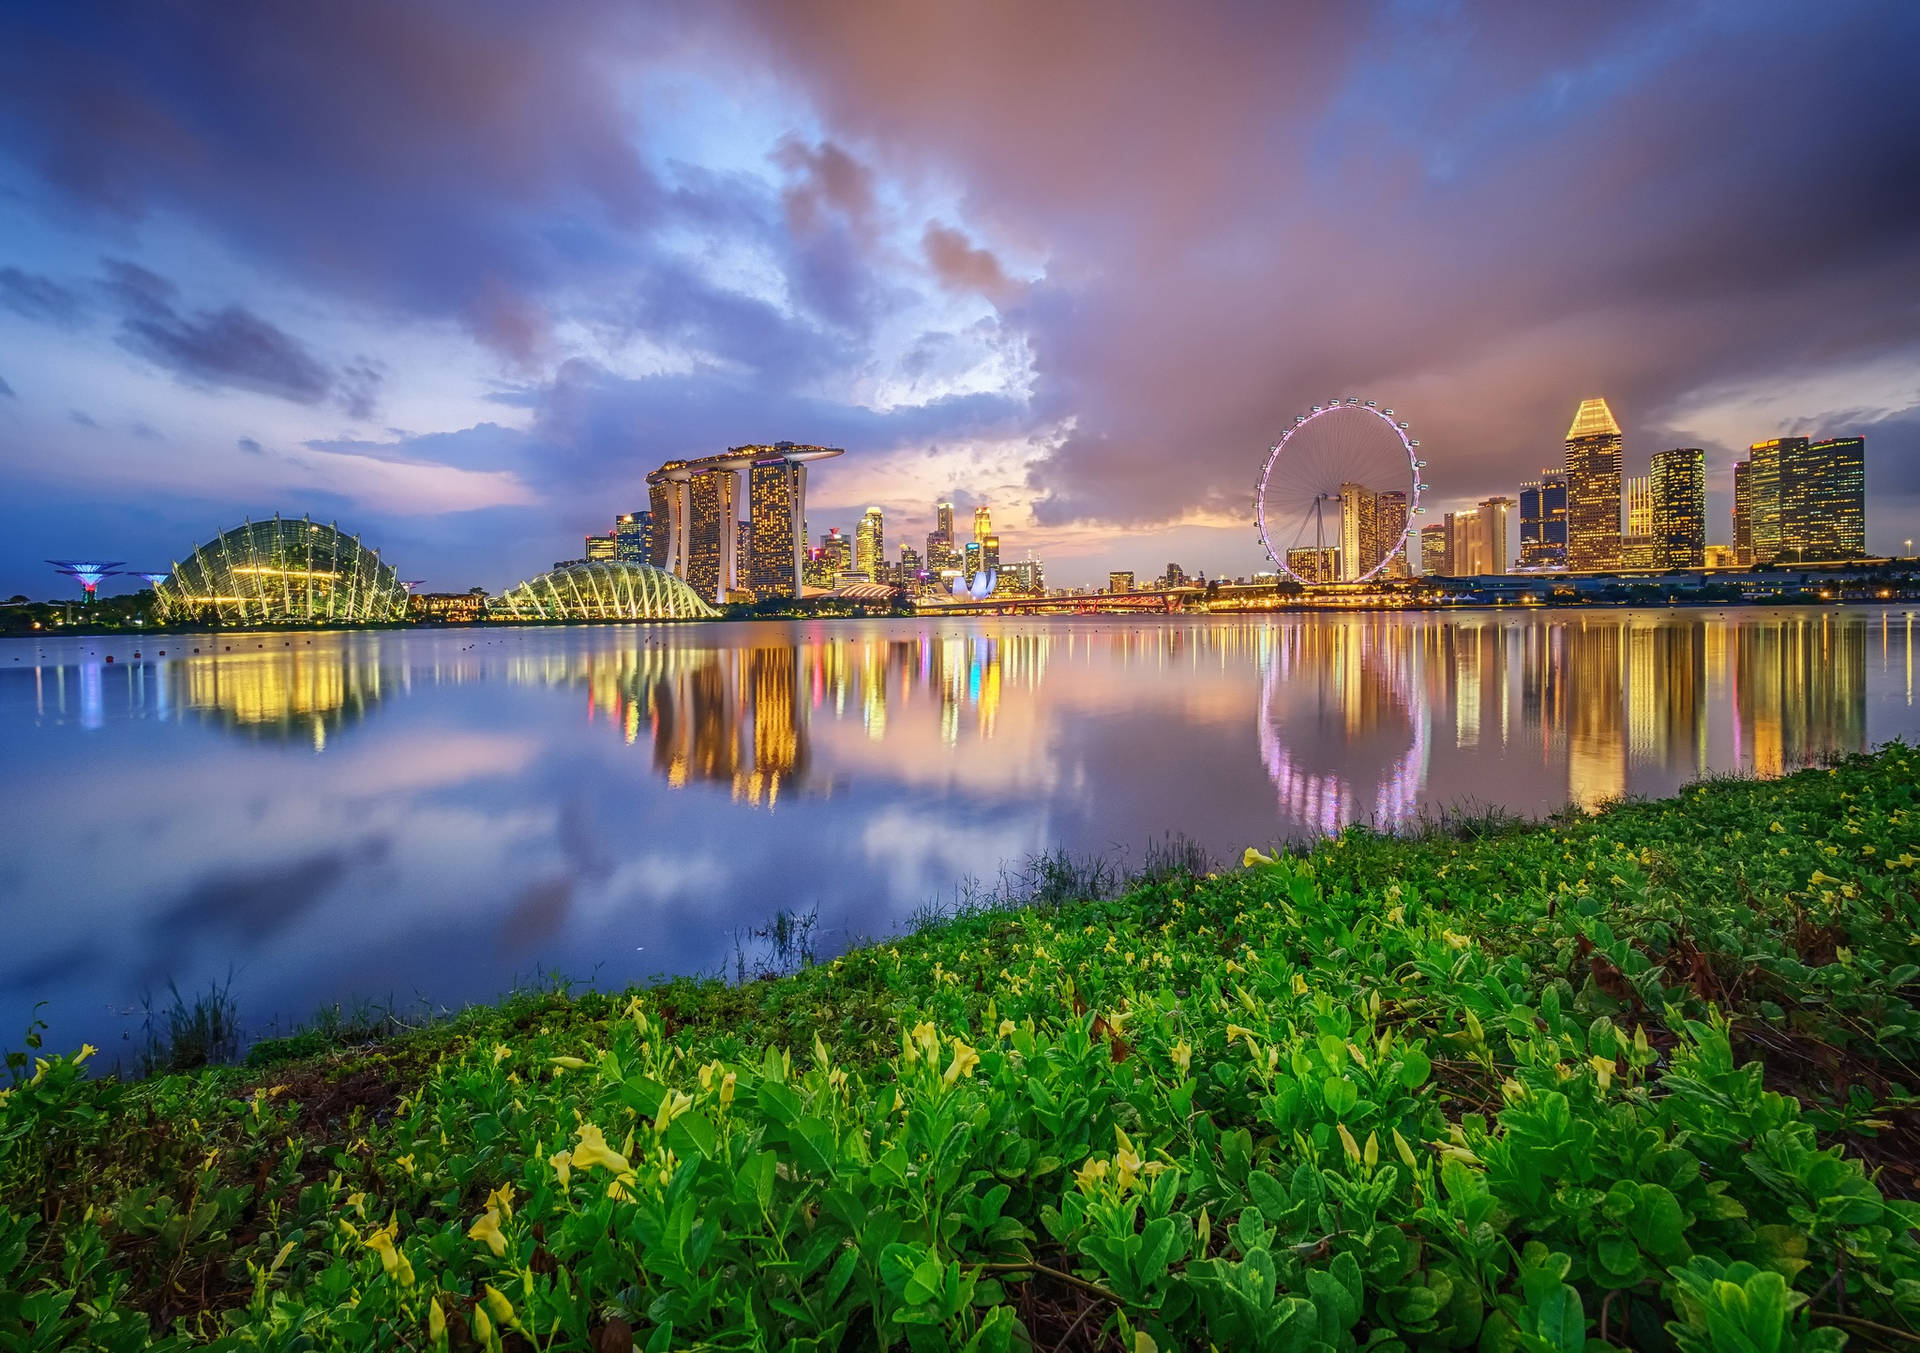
(431, 815)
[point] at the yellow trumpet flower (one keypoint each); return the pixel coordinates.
(502, 1198)
(562, 1162)
(1182, 1057)
(392, 1259)
(1090, 1174)
(1603, 1068)
(1254, 856)
(965, 1059)
(726, 1089)
(593, 1150)
(487, 1232)
(500, 1053)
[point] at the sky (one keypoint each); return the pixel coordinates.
(459, 275)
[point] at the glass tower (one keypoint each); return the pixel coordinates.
(1593, 487)
(1543, 521)
(1823, 499)
(1766, 460)
(1679, 525)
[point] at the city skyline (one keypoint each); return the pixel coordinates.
(468, 314)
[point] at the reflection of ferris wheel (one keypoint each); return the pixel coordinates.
(1338, 495)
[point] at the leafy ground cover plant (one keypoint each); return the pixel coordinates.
(1641, 1079)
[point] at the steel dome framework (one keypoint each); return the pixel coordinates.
(1370, 419)
(283, 570)
(602, 589)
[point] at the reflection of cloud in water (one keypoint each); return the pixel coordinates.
(917, 855)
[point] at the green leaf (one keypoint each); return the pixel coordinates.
(1415, 1067)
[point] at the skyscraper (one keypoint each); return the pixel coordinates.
(870, 544)
(712, 534)
(1493, 516)
(1593, 487)
(600, 547)
(1358, 529)
(1543, 521)
(1435, 551)
(776, 490)
(1120, 581)
(990, 553)
(943, 521)
(1679, 525)
(668, 491)
(633, 537)
(1636, 546)
(1469, 552)
(982, 523)
(1763, 492)
(970, 560)
(1823, 500)
(1390, 530)
(1743, 512)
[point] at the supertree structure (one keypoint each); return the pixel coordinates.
(87, 574)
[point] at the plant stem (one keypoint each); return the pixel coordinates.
(1094, 1289)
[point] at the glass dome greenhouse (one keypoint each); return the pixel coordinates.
(601, 589)
(283, 570)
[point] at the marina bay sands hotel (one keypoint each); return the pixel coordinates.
(697, 531)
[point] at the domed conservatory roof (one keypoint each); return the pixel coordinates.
(601, 589)
(284, 569)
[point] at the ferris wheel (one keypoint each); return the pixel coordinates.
(1338, 495)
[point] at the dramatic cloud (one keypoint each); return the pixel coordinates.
(225, 347)
(961, 266)
(38, 298)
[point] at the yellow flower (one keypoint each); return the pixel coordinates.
(1126, 1162)
(1182, 1057)
(965, 1059)
(1299, 985)
(621, 1189)
(1347, 1141)
(502, 1198)
(562, 1162)
(1775, 827)
(1603, 1068)
(726, 1089)
(86, 1050)
(487, 1232)
(482, 1326)
(1090, 1174)
(392, 1259)
(500, 1053)
(436, 1321)
(567, 1063)
(405, 1162)
(1007, 1026)
(593, 1150)
(1254, 856)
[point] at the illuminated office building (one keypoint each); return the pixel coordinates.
(1469, 553)
(870, 544)
(1766, 460)
(1359, 529)
(990, 553)
(1679, 511)
(1390, 531)
(600, 547)
(1312, 565)
(1120, 581)
(1494, 513)
(1743, 512)
(1434, 562)
(1023, 577)
(633, 537)
(836, 552)
(971, 563)
(1543, 522)
(982, 523)
(1823, 500)
(1636, 546)
(1593, 487)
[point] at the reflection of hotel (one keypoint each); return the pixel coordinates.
(696, 511)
